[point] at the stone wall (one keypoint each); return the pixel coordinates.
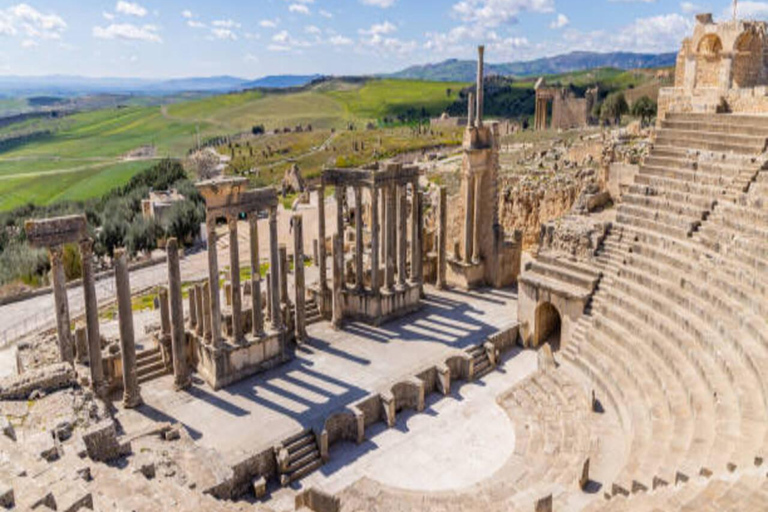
(45, 379)
(569, 112)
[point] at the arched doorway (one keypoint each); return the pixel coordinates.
(708, 58)
(548, 326)
(747, 60)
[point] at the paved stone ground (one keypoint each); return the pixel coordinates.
(334, 369)
(456, 442)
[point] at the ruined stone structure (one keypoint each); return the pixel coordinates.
(246, 347)
(721, 67)
(568, 111)
(486, 255)
(387, 284)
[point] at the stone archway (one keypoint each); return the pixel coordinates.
(747, 60)
(548, 326)
(708, 60)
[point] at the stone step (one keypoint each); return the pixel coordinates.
(727, 119)
(305, 470)
(297, 456)
(148, 354)
(713, 141)
(154, 375)
(564, 273)
(713, 125)
(146, 369)
(294, 445)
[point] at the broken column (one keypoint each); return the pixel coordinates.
(298, 267)
(213, 284)
(131, 392)
(93, 333)
(442, 241)
(258, 321)
(178, 333)
(480, 83)
(274, 263)
(402, 232)
(62, 306)
(165, 313)
(234, 278)
(359, 281)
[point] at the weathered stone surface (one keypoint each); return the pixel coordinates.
(573, 236)
(45, 379)
(101, 442)
(56, 231)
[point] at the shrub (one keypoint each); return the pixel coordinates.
(644, 108)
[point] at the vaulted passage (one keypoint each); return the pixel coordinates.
(548, 325)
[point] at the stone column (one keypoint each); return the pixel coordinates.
(375, 239)
(471, 109)
(480, 83)
(389, 238)
(234, 278)
(321, 236)
(442, 238)
(192, 308)
(131, 392)
(200, 309)
(165, 313)
(340, 224)
(66, 352)
(213, 284)
(402, 231)
(415, 232)
(178, 333)
(274, 270)
(268, 284)
(469, 224)
(93, 334)
(256, 316)
(284, 275)
(476, 219)
(207, 320)
(298, 269)
(338, 263)
(359, 278)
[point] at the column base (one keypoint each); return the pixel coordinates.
(377, 308)
(465, 275)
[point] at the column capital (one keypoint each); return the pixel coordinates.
(232, 222)
(86, 246)
(57, 252)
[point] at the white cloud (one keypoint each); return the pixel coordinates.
(379, 3)
(29, 43)
(339, 40)
(249, 57)
(128, 32)
(379, 29)
(560, 22)
(226, 24)
(655, 34)
(689, 7)
(299, 8)
(269, 23)
(108, 16)
(748, 10)
(463, 40)
(130, 8)
(195, 24)
(492, 13)
(223, 33)
(325, 14)
(27, 20)
(312, 29)
(186, 13)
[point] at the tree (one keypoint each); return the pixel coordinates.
(203, 163)
(142, 236)
(183, 221)
(112, 234)
(644, 108)
(614, 106)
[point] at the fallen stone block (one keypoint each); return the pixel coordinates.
(101, 442)
(7, 499)
(44, 445)
(40, 381)
(7, 428)
(260, 487)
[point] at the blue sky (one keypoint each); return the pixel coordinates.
(181, 38)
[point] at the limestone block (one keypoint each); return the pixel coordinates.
(81, 344)
(7, 499)
(443, 379)
(388, 408)
(145, 465)
(259, 487)
(7, 428)
(45, 379)
(74, 498)
(101, 442)
(44, 445)
(544, 504)
(584, 479)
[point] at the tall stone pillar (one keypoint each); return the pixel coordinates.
(213, 283)
(375, 240)
(471, 109)
(383, 225)
(298, 268)
(442, 238)
(66, 352)
(234, 278)
(192, 308)
(390, 238)
(469, 210)
(321, 235)
(402, 232)
(257, 319)
(178, 333)
(359, 277)
(207, 319)
(93, 334)
(165, 313)
(340, 193)
(476, 219)
(284, 299)
(274, 271)
(338, 263)
(131, 392)
(415, 232)
(480, 84)
(200, 309)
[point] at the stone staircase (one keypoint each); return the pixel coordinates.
(312, 311)
(481, 364)
(299, 455)
(150, 365)
(561, 275)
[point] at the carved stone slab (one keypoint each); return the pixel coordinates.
(56, 231)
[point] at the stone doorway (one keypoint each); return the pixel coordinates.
(548, 326)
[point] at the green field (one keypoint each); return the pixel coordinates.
(85, 155)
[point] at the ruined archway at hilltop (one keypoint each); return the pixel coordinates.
(747, 60)
(708, 61)
(548, 326)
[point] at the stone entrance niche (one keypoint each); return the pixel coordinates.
(484, 256)
(548, 324)
(237, 340)
(53, 234)
(374, 280)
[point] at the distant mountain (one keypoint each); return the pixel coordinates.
(465, 70)
(281, 81)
